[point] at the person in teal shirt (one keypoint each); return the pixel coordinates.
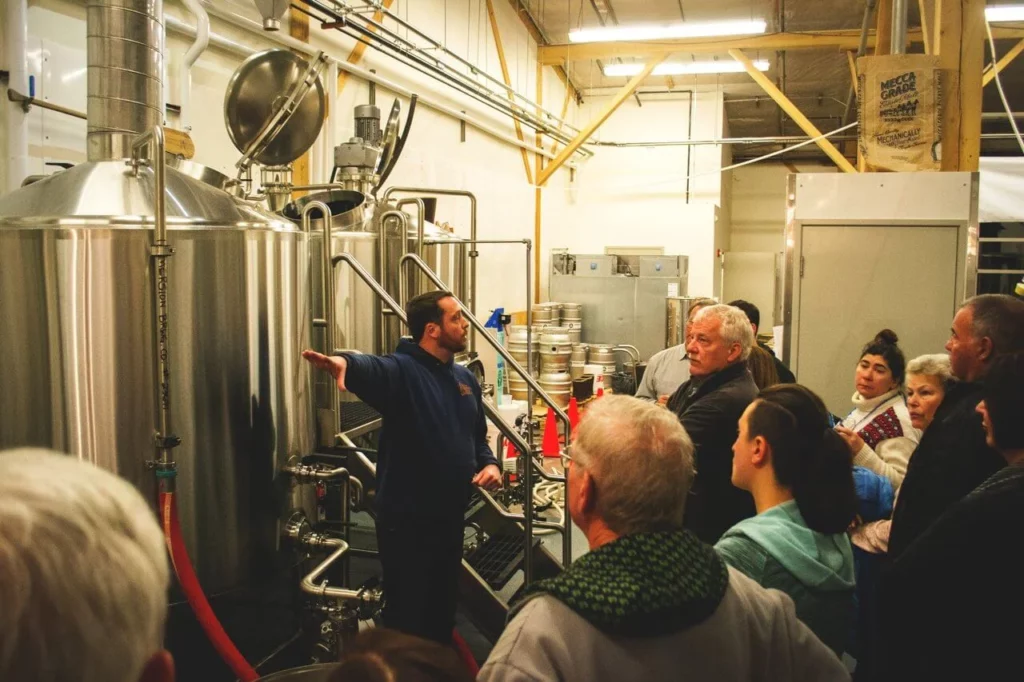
(799, 473)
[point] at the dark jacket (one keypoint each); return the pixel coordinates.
(434, 434)
(785, 376)
(710, 409)
(951, 604)
(951, 460)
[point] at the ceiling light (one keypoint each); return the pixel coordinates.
(653, 32)
(683, 68)
(999, 13)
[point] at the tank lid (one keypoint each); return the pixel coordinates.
(107, 191)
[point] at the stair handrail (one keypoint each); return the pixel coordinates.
(489, 410)
(475, 323)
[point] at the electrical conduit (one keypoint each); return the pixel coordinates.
(194, 592)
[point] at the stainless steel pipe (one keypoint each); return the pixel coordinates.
(309, 583)
(124, 74)
(159, 251)
(327, 295)
(472, 236)
(899, 27)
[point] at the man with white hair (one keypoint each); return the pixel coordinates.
(710, 405)
(669, 369)
(83, 575)
(650, 601)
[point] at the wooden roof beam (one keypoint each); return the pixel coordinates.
(794, 113)
(551, 55)
(621, 96)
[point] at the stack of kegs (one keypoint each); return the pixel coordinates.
(556, 328)
(555, 351)
(572, 319)
(517, 348)
(567, 315)
(578, 360)
(547, 314)
(601, 363)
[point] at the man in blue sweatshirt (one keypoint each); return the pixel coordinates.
(433, 449)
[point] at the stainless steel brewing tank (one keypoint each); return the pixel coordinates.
(444, 253)
(76, 365)
(356, 307)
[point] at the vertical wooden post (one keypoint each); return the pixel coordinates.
(496, 31)
(883, 31)
(962, 59)
(922, 9)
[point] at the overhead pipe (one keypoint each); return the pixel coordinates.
(898, 43)
(197, 48)
(224, 43)
(435, 45)
(439, 71)
(15, 31)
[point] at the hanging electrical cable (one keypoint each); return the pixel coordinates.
(999, 86)
(779, 152)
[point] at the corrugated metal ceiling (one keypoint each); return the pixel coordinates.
(816, 80)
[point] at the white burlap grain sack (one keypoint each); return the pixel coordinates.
(900, 113)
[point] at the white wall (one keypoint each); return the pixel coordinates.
(759, 204)
(637, 196)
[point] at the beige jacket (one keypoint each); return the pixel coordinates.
(754, 635)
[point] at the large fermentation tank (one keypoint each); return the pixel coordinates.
(76, 343)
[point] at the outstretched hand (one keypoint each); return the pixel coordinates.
(335, 366)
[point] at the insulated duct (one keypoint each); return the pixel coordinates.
(125, 44)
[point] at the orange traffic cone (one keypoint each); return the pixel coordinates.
(600, 393)
(549, 447)
(574, 415)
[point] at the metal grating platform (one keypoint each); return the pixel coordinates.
(355, 414)
(498, 558)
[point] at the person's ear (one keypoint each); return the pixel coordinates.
(159, 668)
(761, 452)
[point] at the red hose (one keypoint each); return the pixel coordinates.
(194, 593)
(462, 649)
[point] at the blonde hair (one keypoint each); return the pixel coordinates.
(641, 459)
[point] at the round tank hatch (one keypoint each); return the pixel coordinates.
(274, 106)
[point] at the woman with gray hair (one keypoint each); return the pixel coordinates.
(83, 574)
(650, 601)
(928, 378)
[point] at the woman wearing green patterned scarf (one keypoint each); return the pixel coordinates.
(799, 473)
(650, 601)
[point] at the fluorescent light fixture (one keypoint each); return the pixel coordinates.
(683, 68)
(997, 13)
(653, 32)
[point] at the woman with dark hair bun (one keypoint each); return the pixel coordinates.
(879, 431)
(799, 473)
